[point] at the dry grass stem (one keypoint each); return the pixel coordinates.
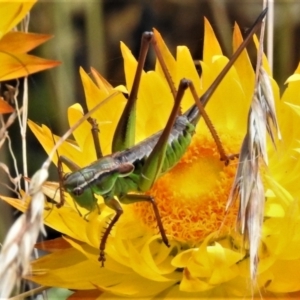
(270, 33)
(10, 96)
(30, 293)
(14, 180)
(248, 187)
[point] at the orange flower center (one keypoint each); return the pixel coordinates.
(192, 197)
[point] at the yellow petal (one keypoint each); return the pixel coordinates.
(53, 245)
(142, 267)
(167, 56)
(222, 255)
(46, 138)
(21, 42)
(16, 65)
(130, 65)
(176, 292)
(5, 108)
(70, 269)
(15, 11)
(83, 134)
(279, 191)
(211, 45)
(17, 203)
(292, 78)
(286, 277)
(186, 69)
(102, 83)
(193, 284)
(136, 287)
(287, 118)
(296, 108)
(148, 120)
(158, 256)
(108, 114)
(274, 210)
(92, 254)
(228, 105)
(181, 259)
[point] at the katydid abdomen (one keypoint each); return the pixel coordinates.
(178, 141)
(120, 173)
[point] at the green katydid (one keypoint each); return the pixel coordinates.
(135, 168)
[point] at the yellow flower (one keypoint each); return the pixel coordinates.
(205, 258)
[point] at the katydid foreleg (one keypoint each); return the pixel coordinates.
(223, 156)
(61, 178)
(73, 167)
(124, 136)
(152, 167)
(197, 110)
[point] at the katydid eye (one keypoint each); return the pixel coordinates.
(78, 191)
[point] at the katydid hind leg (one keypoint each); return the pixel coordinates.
(133, 198)
(69, 163)
(198, 109)
(124, 136)
(154, 162)
(223, 156)
(254, 28)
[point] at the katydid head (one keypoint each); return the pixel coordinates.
(98, 178)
